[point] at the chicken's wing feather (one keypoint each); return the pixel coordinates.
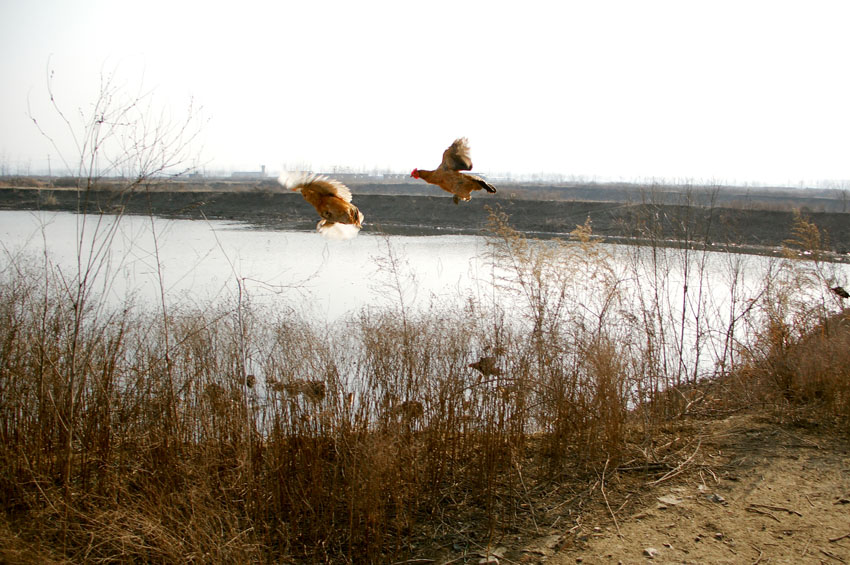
(456, 157)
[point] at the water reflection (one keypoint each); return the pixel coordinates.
(200, 261)
(193, 262)
(691, 299)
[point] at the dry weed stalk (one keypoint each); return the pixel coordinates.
(345, 440)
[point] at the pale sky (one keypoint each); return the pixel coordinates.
(717, 91)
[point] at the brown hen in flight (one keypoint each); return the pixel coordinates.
(332, 200)
(448, 176)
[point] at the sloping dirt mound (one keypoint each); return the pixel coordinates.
(754, 492)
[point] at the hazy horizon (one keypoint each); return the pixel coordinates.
(378, 175)
(708, 93)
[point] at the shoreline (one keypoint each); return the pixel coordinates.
(758, 232)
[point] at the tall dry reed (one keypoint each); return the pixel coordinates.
(232, 432)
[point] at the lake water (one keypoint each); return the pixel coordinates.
(202, 261)
(205, 261)
(690, 297)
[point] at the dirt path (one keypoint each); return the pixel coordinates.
(754, 492)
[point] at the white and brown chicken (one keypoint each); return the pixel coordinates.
(332, 200)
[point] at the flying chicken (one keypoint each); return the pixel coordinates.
(448, 176)
(332, 200)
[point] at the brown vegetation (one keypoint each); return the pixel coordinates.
(235, 434)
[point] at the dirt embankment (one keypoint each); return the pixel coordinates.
(748, 489)
(739, 487)
(725, 228)
(753, 492)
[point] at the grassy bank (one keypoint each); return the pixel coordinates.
(237, 433)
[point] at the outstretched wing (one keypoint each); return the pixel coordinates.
(479, 183)
(456, 157)
(314, 186)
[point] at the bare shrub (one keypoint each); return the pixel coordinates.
(798, 358)
(577, 381)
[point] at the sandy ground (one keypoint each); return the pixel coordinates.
(753, 492)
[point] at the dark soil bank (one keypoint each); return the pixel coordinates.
(429, 215)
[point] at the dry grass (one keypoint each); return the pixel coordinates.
(799, 361)
(236, 434)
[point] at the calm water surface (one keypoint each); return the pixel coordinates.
(202, 261)
(205, 261)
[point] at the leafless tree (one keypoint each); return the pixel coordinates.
(123, 137)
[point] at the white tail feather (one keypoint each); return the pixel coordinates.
(336, 231)
(292, 179)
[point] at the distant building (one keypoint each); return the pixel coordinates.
(396, 176)
(261, 174)
(372, 177)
